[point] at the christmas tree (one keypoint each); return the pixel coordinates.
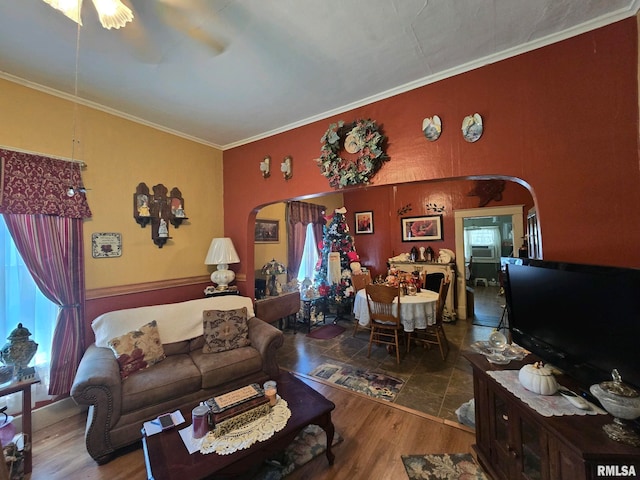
(333, 274)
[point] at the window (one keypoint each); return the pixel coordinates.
(22, 302)
(482, 243)
(309, 255)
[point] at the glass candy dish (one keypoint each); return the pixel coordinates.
(623, 402)
(481, 347)
(497, 340)
(498, 359)
(499, 354)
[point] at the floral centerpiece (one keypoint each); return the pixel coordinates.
(271, 269)
(360, 138)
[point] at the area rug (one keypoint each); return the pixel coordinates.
(375, 384)
(326, 332)
(446, 466)
(308, 444)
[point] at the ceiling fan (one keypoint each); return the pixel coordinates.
(112, 13)
(176, 14)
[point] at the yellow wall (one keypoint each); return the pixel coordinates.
(119, 155)
(264, 252)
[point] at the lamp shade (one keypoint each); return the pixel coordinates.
(222, 251)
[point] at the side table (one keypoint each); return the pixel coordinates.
(222, 293)
(24, 387)
(275, 309)
(342, 309)
(307, 305)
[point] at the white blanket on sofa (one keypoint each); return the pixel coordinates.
(176, 321)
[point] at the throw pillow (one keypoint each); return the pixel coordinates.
(138, 349)
(225, 330)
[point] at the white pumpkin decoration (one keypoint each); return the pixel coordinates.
(538, 378)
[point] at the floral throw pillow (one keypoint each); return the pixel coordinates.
(225, 330)
(138, 349)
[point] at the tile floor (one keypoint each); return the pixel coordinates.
(434, 386)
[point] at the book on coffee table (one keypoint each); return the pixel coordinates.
(237, 408)
(234, 398)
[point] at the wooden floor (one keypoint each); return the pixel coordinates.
(375, 435)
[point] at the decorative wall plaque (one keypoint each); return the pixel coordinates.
(106, 245)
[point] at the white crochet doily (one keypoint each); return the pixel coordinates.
(257, 431)
(546, 405)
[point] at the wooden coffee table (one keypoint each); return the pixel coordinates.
(167, 458)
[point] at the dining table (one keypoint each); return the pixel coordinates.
(416, 311)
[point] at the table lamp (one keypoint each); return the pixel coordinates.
(271, 269)
(222, 253)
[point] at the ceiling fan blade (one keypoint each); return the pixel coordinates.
(206, 39)
(143, 48)
(183, 20)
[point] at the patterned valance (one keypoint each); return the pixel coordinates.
(33, 184)
(303, 212)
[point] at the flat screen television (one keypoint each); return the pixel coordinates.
(582, 319)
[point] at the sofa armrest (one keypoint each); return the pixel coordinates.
(98, 368)
(97, 383)
(266, 339)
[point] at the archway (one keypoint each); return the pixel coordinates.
(390, 203)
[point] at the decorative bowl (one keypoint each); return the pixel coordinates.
(621, 401)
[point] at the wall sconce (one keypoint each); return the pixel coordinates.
(265, 166)
(285, 167)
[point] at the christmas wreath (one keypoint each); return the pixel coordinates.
(360, 137)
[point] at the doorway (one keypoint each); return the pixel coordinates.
(517, 232)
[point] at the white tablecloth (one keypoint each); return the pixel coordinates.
(416, 311)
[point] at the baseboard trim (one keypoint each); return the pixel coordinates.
(49, 414)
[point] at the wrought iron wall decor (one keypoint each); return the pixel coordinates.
(433, 207)
(159, 210)
(488, 190)
(404, 209)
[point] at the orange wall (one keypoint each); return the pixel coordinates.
(386, 241)
(562, 119)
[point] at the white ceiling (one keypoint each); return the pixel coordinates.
(225, 72)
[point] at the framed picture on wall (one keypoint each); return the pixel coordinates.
(422, 229)
(267, 231)
(364, 222)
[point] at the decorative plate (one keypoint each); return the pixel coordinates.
(362, 139)
(351, 144)
(472, 127)
(432, 127)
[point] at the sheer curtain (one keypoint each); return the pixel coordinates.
(309, 255)
(22, 302)
(299, 215)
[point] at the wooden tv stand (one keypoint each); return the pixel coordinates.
(513, 441)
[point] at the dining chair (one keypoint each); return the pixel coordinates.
(434, 334)
(384, 323)
(433, 281)
(359, 281)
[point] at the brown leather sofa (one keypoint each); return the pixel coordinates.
(118, 408)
